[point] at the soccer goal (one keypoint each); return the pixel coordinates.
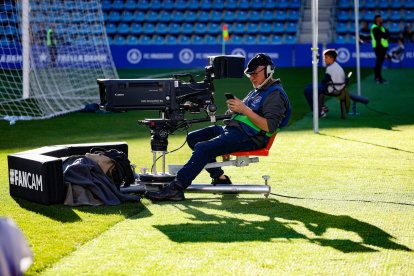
(51, 53)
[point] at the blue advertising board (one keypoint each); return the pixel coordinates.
(196, 56)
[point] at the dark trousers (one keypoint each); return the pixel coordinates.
(207, 144)
(308, 92)
(380, 53)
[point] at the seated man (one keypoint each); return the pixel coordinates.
(257, 117)
(333, 81)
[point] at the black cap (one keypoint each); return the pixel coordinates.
(258, 60)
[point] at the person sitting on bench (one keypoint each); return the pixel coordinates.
(255, 119)
(334, 80)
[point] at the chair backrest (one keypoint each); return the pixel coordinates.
(259, 152)
(339, 92)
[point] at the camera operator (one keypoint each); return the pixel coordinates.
(257, 117)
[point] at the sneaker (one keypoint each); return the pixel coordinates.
(218, 181)
(322, 114)
(172, 192)
(325, 109)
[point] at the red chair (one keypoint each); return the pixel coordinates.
(259, 152)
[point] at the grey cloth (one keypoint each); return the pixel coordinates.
(82, 171)
(15, 254)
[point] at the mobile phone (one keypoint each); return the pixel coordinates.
(229, 96)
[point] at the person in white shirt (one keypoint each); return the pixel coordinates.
(333, 81)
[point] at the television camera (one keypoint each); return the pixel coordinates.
(172, 97)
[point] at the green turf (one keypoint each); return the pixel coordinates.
(343, 203)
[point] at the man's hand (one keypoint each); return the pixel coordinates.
(236, 105)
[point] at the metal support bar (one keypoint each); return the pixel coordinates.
(229, 189)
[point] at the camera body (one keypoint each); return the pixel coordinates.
(172, 97)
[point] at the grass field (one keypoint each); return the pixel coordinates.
(342, 203)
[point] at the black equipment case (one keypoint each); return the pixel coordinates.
(37, 175)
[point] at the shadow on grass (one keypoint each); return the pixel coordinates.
(62, 213)
(271, 219)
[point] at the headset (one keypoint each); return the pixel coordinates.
(270, 68)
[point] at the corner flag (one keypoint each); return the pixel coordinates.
(225, 38)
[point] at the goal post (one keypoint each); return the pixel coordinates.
(51, 53)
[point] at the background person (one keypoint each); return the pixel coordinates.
(364, 33)
(258, 116)
(408, 35)
(379, 40)
(333, 80)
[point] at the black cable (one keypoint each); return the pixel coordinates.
(377, 111)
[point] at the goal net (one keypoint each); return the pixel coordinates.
(51, 53)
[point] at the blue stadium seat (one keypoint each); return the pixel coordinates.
(244, 4)
(293, 15)
(216, 16)
(161, 28)
(351, 39)
(156, 5)
(341, 39)
(290, 39)
(203, 16)
(119, 40)
(345, 4)
(132, 40)
(148, 28)
(385, 15)
(109, 40)
(276, 39)
(187, 28)
(370, 5)
(60, 29)
(174, 28)
(171, 40)
(283, 4)
(281, 15)
(230, 4)
(343, 15)
(8, 6)
(184, 39)
(252, 28)
(139, 16)
(395, 28)
(80, 40)
(254, 15)
(396, 5)
(218, 5)
(130, 5)
(229, 16)
(197, 39)
(110, 28)
(383, 4)
(157, 40)
(97, 29)
(96, 40)
(200, 28)
(143, 5)
(278, 27)
(295, 4)
(10, 30)
(409, 15)
(238, 28)
(241, 15)
(193, 5)
(210, 39)
(135, 28)
(369, 15)
(4, 41)
(249, 39)
(256, 4)
(408, 4)
(395, 15)
(351, 28)
(164, 16)
(106, 5)
(181, 4)
(206, 5)
(127, 16)
(14, 18)
(268, 15)
(341, 27)
(177, 16)
(269, 4)
(265, 28)
(117, 5)
(145, 40)
(123, 28)
(262, 39)
(113, 16)
(84, 29)
(291, 27)
(235, 39)
(190, 16)
(151, 16)
(214, 28)
(4, 18)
